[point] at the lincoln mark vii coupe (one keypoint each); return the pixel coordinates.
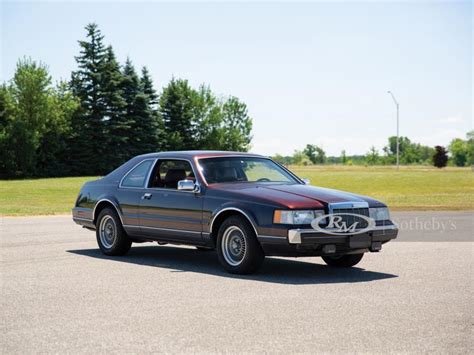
(245, 206)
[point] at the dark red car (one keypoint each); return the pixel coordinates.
(245, 206)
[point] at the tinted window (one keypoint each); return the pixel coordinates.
(167, 173)
(136, 177)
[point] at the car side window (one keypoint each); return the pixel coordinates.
(137, 177)
(168, 172)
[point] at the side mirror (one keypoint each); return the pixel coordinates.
(188, 185)
(306, 181)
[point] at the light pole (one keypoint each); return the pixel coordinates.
(398, 139)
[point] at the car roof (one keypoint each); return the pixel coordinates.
(191, 154)
(118, 173)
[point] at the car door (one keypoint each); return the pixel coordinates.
(129, 193)
(167, 213)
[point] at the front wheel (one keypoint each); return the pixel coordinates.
(343, 260)
(237, 247)
(110, 234)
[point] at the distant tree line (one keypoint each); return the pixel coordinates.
(460, 152)
(106, 114)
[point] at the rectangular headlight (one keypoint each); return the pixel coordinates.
(379, 213)
(296, 216)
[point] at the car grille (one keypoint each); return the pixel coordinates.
(350, 220)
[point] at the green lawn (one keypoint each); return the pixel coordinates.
(39, 196)
(411, 188)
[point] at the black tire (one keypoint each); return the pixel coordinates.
(204, 249)
(111, 236)
(237, 231)
(343, 260)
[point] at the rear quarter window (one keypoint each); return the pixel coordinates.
(137, 176)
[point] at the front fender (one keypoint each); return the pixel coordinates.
(237, 207)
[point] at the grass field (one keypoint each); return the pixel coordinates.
(39, 196)
(411, 188)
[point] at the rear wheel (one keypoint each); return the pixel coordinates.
(343, 260)
(111, 236)
(237, 247)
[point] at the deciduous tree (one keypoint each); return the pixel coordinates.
(34, 122)
(315, 154)
(178, 107)
(459, 150)
(237, 125)
(52, 158)
(7, 116)
(372, 156)
(470, 147)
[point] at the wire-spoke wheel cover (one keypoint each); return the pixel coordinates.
(107, 231)
(234, 245)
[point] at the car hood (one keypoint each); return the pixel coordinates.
(298, 196)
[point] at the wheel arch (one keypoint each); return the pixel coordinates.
(225, 213)
(104, 203)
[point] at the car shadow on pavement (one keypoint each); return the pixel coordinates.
(274, 270)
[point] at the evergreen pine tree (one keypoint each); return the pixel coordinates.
(147, 88)
(151, 121)
(147, 126)
(130, 84)
(131, 88)
(87, 143)
(440, 157)
(118, 124)
(143, 133)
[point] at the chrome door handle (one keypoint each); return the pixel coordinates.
(146, 196)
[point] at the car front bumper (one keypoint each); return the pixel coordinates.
(310, 242)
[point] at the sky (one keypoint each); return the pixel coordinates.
(310, 72)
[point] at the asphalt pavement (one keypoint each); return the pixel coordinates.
(60, 294)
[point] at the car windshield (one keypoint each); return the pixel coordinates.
(243, 169)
